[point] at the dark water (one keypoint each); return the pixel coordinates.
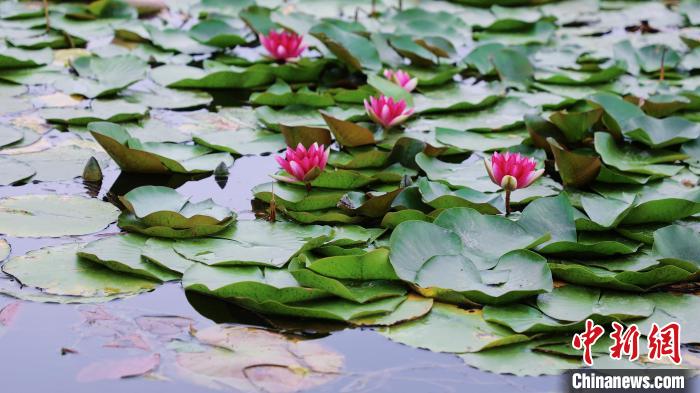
(30, 349)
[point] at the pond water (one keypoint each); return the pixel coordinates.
(31, 347)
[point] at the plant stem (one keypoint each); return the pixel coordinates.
(400, 5)
(663, 58)
(46, 15)
(507, 203)
(272, 216)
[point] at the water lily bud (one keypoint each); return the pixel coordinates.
(92, 171)
(509, 183)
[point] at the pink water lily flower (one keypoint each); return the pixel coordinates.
(387, 112)
(512, 171)
(283, 45)
(401, 78)
(303, 164)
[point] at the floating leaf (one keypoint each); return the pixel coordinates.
(677, 245)
(122, 253)
(296, 198)
(254, 243)
(412, 308)
(631, 159)
(14, 171)
(572, 303)
(355, 50)
(437, 331)
(157, 206)
(660, 133)
(250, 282)
(132, 155)
(520, 359)
(59, 271)
(28, 215)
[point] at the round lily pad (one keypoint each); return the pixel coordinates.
(54, 215)
(14, 171)
(58, 270)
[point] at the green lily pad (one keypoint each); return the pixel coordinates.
(469, 173)
(660, 133)
(101, 77)
(28, 215)
(439, 196)
(457, 97)
(254, 243)
(486, 238)
(14, 171)
(473, 141)
(633, 281)
(679, 308)
(517, 274)
(132, 155)
(358, 291)
(299, 115)
(297, 198)
(575, 304)
(355, 50)
(592, 244)
(448, 328)
(330, 216)
(216, 32)
(155, 96)
(412, 308)
(371, 265)
(576, 125)
(58, 270)
(62, 162)
(255, 283)
(215, 77)
(280, 94)
(242, 142)
(163, 206)
(161, 252)
(526, 319)
(9, 135)
(507, 114)
(569, 77)
(631, 159)
(116, 110)
(676, 245)
(122, 253)
(617, 111)
(333, 309)
(521, 359)
(22, 58)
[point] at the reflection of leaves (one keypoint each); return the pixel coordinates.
(121, 368)
(8, 314)
(250, 359)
